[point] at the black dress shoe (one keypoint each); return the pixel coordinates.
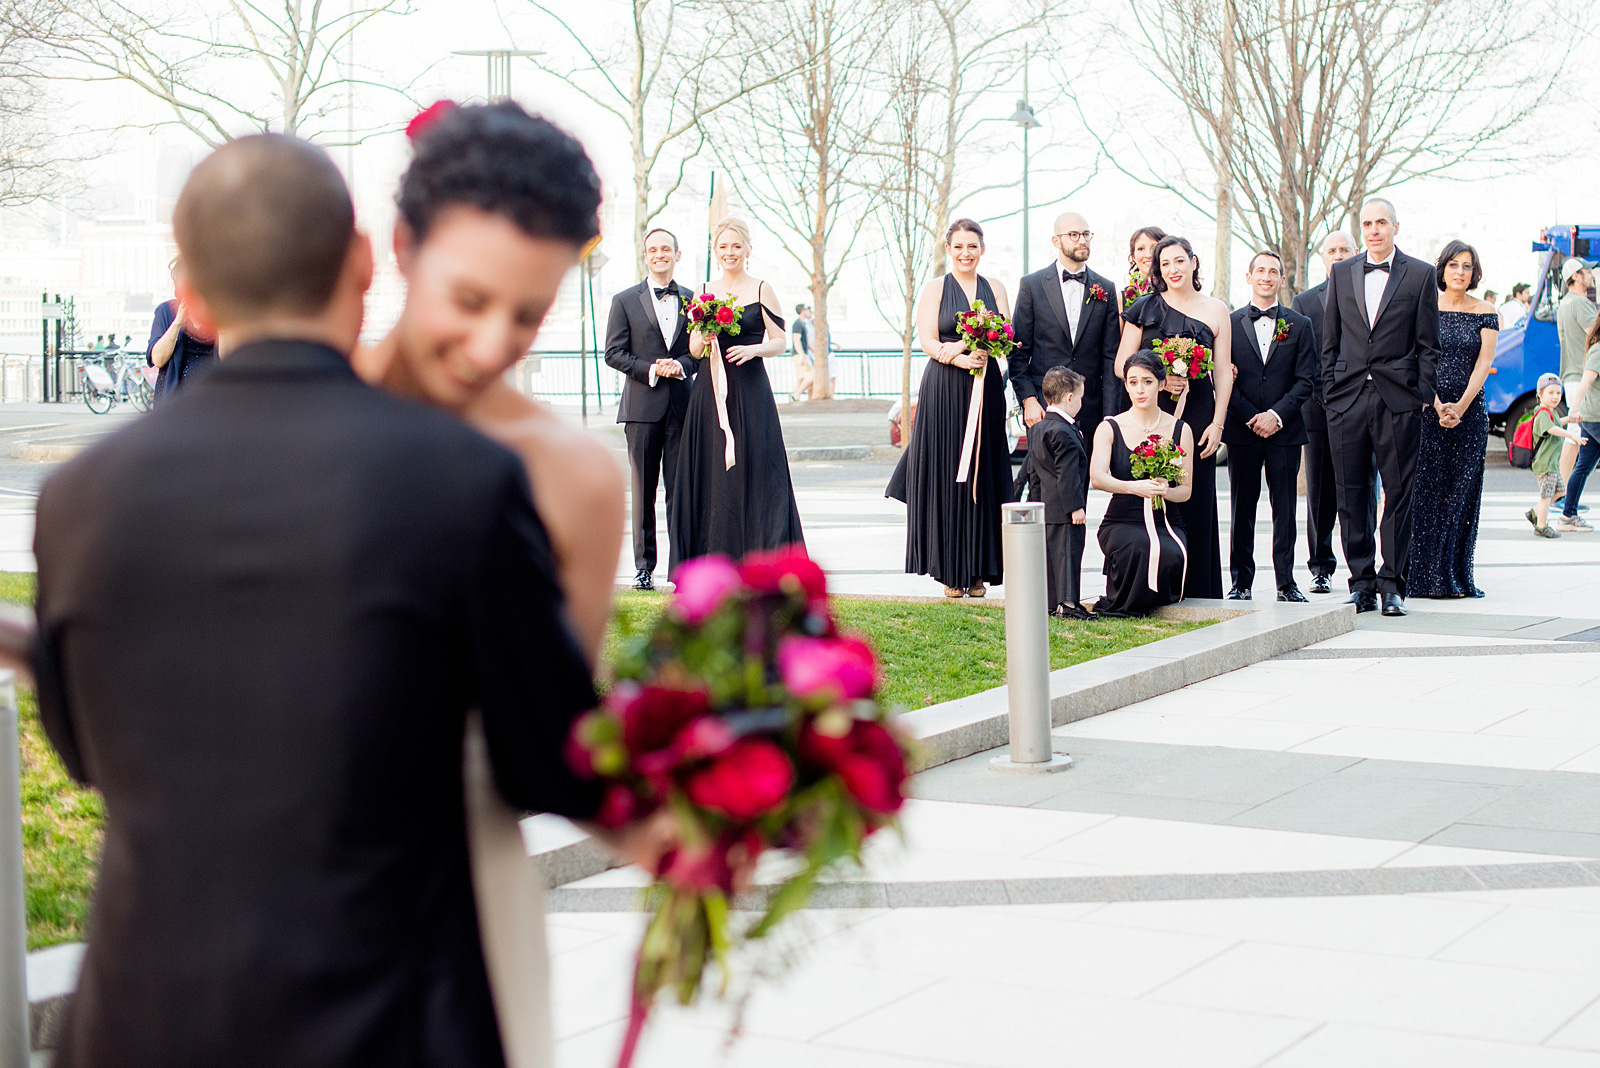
(1364, 600)
(1319, 584)
(1394, 604)
(643, 580)
(1291, 592)
(1072, 611)
(1237, 594)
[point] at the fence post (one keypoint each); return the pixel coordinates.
(1027, 642)
(14, 1041)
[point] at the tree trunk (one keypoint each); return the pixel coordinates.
(1222, 270)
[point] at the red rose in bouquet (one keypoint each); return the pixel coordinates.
(1158, 457)
(710, 315)
(1183, 357)
(749, 716)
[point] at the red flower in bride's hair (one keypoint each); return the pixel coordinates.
(427, 117)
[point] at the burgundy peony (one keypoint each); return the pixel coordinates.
(619, 807)
(724, 315)
(710, 866)
(653, 715)
(842, 667)
(697, 313)
(751, 778)
(787, 570)
(701, 585)
(867, 759)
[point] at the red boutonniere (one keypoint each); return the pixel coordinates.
(1282, 331)
(1097, 292)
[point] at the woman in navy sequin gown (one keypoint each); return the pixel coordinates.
(1455, 435)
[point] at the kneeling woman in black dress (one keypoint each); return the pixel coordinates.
(1147, 557)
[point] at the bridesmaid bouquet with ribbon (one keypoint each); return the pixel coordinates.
(1158, 457)
(754, 720)
(986, 330)
(1183, 357)
(710, 315)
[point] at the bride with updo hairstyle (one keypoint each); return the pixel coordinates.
(734, 494)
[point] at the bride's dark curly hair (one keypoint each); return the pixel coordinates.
(1156, 279)
(502, 160)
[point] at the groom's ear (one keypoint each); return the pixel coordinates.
(360, 259)
(405, 246)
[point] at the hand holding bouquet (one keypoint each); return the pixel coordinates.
(984, 330)
(710, 315)
(752, 719)
(1158, 457)
(1184, 357)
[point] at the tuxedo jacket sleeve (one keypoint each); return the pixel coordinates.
(1111, 392)
(1332, 328)
(1019, 367)
(1306, 368)
(619, 340)
(1075, 472)
(1240, 406)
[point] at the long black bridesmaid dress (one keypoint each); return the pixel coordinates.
(1126, 541)
(1160, 320)
(1449, 480)
(749, 506)
(953, 528)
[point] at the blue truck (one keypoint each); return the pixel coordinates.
(1530, 348)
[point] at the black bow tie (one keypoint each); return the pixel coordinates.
(1370, 266)
(1256, 313)
(1082, 277)
(670, 287)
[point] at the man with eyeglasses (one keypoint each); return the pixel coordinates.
(1066, 316)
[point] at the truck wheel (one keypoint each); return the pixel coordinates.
(1519, 408)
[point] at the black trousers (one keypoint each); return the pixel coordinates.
(1368, 438)
(1063, 551)
(649, 446)
(1245, 464)
(1322, 490)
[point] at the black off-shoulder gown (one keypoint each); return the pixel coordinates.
(751, 505)
(1158, 319)
(949, 535)
(1125, 540)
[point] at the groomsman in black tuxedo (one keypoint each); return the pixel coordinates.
(1067, 316)
(647, 342)
(1379, 347)
(1058, 475)
(1274, 363)
(1322, 497)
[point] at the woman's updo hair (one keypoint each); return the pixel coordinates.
(1154, 233)
(738, 226)
(1157, 280)
(969, 225)
(500, 159)
(1148, 360)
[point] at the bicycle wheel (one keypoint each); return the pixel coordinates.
(141, 393)
(99, 402)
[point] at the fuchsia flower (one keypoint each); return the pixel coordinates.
(701, 585)
(843, 667)
(786, 570)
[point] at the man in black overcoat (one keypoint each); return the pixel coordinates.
(273, 707)
(647, 342)
(1274, 364)
(1380, 344)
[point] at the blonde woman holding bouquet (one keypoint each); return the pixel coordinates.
(734, 494)
(956, 470)
(1178, 312)
(1142, 534)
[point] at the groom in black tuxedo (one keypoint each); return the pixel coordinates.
(647, 342)
(273, 709)
(1067, 316)
(1379, 346)
(1274, 364)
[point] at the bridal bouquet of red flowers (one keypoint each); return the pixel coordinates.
(754, 720)
(1184, 357)
(986, 330)
(710, 315)
(1158, 457)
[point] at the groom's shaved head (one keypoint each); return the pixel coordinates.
(264, 225)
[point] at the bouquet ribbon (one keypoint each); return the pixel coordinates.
(970, 445)
(719, 390)
(1150, 513)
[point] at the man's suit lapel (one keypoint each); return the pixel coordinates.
(1052, 296)
(1245, 332)
(1272, 346)
(649, 305)
(1397, 270)
(1358, 286)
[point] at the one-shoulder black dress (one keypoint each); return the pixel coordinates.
(1132, 534)
(953, 528)
(749, 506)
(1158, 319)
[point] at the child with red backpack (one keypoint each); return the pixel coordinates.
(1545, 439)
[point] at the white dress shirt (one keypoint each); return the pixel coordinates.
(1266, 326)
(1063, 413)
(1374, 281)
(667, 306)
(1072, 297)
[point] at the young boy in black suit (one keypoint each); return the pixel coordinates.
(1058, 475)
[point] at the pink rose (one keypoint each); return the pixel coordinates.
(752, 778)
(844, 667)
(699, 586)
(708, 297)
(1010, 332)
(787, 570)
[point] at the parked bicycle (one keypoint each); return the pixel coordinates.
(114, 375)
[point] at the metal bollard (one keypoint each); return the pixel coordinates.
(1027, 642)
(14, 1043)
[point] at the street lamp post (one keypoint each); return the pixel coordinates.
(498, 61)
(1024, 118)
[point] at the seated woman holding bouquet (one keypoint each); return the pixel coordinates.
(1144, 458)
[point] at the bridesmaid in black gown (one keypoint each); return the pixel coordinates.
(1134, 534)
(750, 505)
(1177, 308)
(1455, 436)
(953, 528)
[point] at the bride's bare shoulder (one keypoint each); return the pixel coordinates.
(568, 466)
